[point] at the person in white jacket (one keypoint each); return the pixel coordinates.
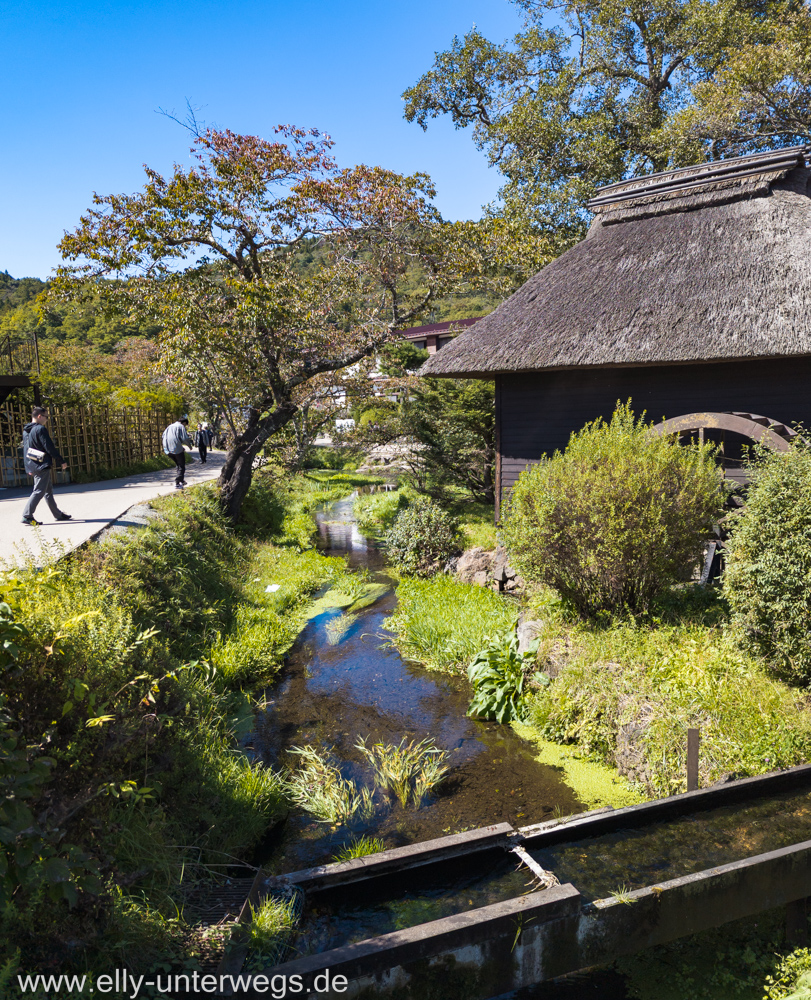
(174, 438)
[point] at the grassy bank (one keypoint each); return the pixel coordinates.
(625, 693)
(628, 691)
(126, 675)
(443, 623)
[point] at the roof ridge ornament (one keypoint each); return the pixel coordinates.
(746, 173)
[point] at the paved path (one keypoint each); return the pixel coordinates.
(92, 505)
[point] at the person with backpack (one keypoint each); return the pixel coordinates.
(39, 454)
(174, 438)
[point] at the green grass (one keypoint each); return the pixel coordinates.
(359, 847)
(443, 623)
(669, 675)
(271, 927)
(375, 512)
(131, 667)
(477, 523)
(153, 464)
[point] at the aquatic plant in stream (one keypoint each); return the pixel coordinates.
(359, 847)
(336, 628)
(318, 787)
(410, 770)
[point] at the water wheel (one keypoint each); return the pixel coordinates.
(732, 432)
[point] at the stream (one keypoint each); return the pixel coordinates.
(331, 694)
(342, 684)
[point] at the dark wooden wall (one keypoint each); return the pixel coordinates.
(537, 412)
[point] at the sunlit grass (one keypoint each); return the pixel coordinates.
(443, 623)
(359, 847)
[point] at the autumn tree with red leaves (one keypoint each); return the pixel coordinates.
(210, 254)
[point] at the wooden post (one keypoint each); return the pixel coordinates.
(693, 738)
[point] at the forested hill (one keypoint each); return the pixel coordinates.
(17, 291)
(82, 324)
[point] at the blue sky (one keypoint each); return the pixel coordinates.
(82, 82)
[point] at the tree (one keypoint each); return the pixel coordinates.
(209, 255)
(454, 422)
(603, 94)
(761, 97)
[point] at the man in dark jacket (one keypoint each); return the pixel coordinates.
(201, 439)
(39, 454)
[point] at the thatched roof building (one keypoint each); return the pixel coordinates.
(702, 268)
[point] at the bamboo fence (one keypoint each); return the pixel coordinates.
(91, 438)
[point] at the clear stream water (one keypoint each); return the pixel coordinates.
(331, 695)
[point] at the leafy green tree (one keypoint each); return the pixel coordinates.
(454, 422)
(592, 91)
(208, 254)
(760, 97)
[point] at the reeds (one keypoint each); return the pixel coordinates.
(318, 787)
(359, 847)
(409, 770)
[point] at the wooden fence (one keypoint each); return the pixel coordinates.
(90, 438)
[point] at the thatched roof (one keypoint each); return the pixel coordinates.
(708, 263)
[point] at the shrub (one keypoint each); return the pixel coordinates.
(443, 623)
(616, 518)
(792, 978)
(768, 561)
(422, 538)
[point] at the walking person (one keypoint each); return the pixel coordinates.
(201, 439)
(175, 437)
(39, 454)
(210, 432)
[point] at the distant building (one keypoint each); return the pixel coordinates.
(436, 335)
(691, 295)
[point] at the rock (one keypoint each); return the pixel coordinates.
(475, 566)
(629, 755)
(527, 633)
(501, 568)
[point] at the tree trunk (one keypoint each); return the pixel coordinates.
(237, 473)
(235, 478)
